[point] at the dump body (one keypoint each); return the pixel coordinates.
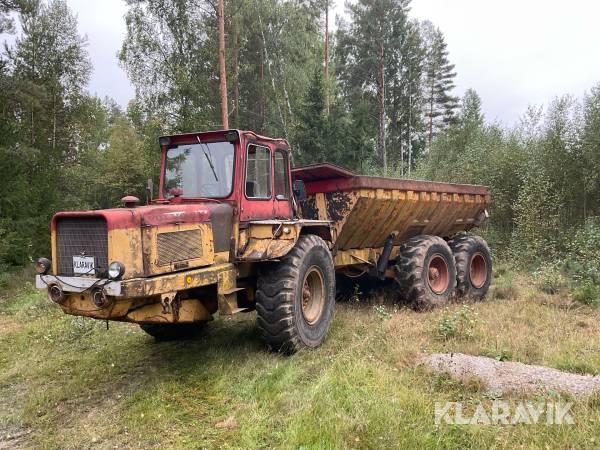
(366, 210)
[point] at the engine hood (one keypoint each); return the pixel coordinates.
(220, 215)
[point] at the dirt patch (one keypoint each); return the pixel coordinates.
(9, 325)
(14, 438)
(508, 376)
(13, 435)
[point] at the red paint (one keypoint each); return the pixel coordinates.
(179, 209)
(153, 215)
(331, 178)
(250, 209)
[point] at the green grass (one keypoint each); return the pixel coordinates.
(69, 383)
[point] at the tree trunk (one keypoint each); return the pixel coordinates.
(264, 42)
(261, 77)
(326, 57)
(409, 137)
(381, 99)
(431, 112)
(236, 81)
(53, 120)
(222, 71)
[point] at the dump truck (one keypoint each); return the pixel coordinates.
(234, 228)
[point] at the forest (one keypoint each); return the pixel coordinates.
(373, 92)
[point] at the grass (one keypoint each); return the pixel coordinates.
(69, 383)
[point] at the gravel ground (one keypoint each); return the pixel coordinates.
(507, 376)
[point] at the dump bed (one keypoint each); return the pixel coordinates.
(366, 210)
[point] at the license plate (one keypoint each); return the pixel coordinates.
(84, 265)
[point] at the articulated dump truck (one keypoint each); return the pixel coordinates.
(234, 228)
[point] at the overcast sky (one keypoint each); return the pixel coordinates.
(513, 52)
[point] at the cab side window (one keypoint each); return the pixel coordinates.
(258, 172)
(281, 176)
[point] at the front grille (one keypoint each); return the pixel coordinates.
(77, 236)
(179, 246)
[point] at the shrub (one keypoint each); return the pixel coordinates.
(587, 293)
(461, 324)
(584, 252)
(381, 312)
(548, 278)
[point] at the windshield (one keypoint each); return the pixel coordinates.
(199, 170)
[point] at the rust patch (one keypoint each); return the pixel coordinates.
(338, 205)
(309, 208)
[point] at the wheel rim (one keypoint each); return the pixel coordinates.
(437, 274)
(313, 295)
(478, 270)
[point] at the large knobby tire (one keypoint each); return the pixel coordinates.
(425, 272)
(295, 297)
(473, 266)
(173, 331)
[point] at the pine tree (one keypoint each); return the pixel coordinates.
(438, 82)
(470, 111)
(312, 123)
(405, 98)
(367, 53)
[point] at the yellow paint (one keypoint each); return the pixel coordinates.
(227, 292)
(269, 240)
(82, 305)
(376, 213)
(125, 246)
(321, 206)
(150, 248)
(174, 282)
(190, 310)
(54, 252)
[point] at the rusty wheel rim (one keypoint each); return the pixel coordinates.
(437, 274)
(313, 295)
(478, 270)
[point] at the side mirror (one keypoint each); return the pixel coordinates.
(299, 190)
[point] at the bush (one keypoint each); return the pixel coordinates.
(584, 252)
(461, 324)
(549, 278)
(587, 293)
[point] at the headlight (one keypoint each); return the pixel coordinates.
(42, 265)
(115, 270)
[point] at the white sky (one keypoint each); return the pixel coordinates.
(514, 53)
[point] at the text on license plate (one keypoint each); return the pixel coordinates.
(84, 265)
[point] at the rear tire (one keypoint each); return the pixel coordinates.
(173, 331)
(295, 297)
(425, 272)
(473, 266)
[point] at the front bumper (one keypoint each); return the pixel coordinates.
(79, 284)
(146, 300)
(223, 275)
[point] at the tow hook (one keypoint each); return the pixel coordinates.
(170, 303)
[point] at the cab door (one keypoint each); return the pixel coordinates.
(282, 206)
(266, 185)
(257, 196)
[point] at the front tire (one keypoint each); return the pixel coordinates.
(425, 272)
(295, 297)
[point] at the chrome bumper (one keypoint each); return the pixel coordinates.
(79, 284)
